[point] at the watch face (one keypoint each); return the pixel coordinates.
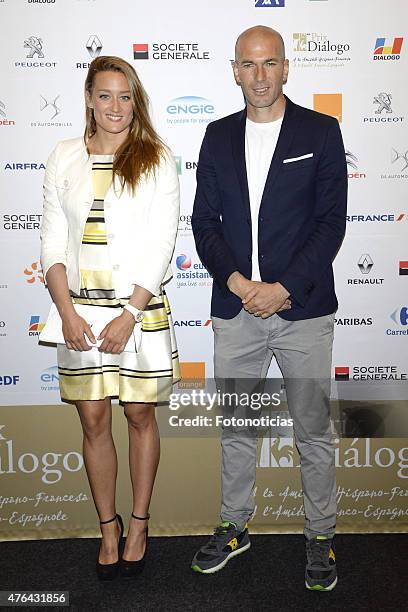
(139, 317)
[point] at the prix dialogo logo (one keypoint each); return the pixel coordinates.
(269, 3)
(329, 104)
(190, 110)
(384, 51)
(317, 50)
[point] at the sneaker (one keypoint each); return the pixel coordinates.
(227, 542)
(321, 573)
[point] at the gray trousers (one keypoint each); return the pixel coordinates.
(244, 347)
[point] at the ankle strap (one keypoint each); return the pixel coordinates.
(109, 521)
(141, 518)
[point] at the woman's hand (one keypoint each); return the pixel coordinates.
(76, 330)
(116, 333)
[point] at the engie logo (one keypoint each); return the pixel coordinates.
(183, 262)
(35, 327)
(50, 379)
(390, 52)
(190, 109)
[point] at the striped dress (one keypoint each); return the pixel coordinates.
(146, 376)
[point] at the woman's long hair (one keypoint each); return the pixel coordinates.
(141, 152)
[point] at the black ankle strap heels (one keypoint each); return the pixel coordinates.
(109, 571)
(130, 569)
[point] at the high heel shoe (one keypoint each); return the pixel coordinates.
(108, 571)
(129, 569)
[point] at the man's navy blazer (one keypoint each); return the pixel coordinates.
(302, 215)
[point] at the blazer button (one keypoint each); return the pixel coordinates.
(249, 257)
(116, 267)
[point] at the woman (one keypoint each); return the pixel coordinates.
(111, 206)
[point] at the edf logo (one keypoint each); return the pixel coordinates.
(400, 316)
(9, 380)
(269, 3)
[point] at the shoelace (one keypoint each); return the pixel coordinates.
(319, 552)
(211, 546)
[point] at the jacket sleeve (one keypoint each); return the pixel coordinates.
(319, 250)
(160, 233)
(54, 226)
(206, 221)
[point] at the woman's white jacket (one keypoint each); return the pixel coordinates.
(141, 229)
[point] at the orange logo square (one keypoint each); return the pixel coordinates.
(192, 375)
(329, 104)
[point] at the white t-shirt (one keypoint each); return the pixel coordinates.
(260, 144)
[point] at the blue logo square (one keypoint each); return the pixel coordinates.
(269, 3)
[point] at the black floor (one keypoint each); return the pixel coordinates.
(373, 575)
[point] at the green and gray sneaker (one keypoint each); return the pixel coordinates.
(227, 542)
(321, 573)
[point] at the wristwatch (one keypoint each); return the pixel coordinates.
(137, 314)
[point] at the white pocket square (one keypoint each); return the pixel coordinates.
(295, 159)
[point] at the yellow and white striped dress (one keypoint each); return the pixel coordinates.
(146, 376)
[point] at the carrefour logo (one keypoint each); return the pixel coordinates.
(183, 262)
(190, 109)
(400, 316)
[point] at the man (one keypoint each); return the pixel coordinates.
(269, 217)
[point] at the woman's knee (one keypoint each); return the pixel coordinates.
(96, 423)
(139, 416)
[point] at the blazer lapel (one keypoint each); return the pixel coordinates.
(238, 153)
(287, 132)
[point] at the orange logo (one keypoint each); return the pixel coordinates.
(329, 104)
(192, 375)
(34, 273)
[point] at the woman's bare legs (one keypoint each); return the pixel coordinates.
(101, 466)
(144, 454)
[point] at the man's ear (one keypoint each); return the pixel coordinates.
(236, 75)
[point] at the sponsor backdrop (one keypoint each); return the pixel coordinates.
(347, 59)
